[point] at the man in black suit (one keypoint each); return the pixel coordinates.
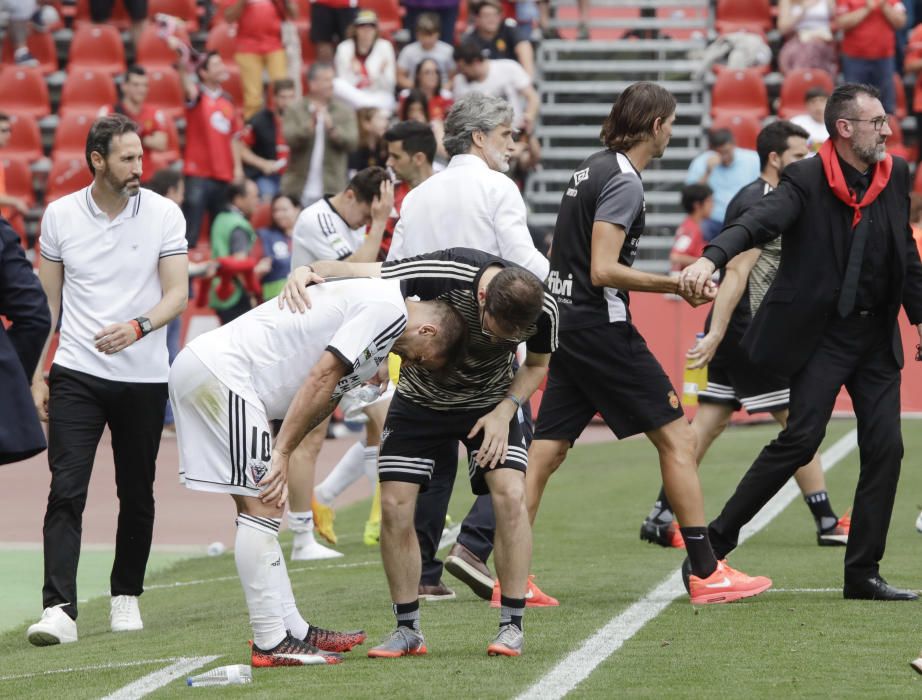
(23, 303)
(848, 261)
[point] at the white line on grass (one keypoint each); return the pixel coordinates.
(96, 667)
(156, 680)
(577, 666)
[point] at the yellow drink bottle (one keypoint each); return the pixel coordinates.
(694, 380)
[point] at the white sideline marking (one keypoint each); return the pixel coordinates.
(96, 667)
(577, 666)
(156, 680)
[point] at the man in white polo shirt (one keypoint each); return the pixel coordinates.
(116, 254)
(471, 203)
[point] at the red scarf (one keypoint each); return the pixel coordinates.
(839, 187)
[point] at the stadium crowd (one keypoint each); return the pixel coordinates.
(325, 150)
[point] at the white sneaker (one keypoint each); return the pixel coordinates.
(306, 548)
(125, 615)
(55, 627)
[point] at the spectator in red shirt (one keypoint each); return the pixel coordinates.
(259, 45)
(263, 148)
(330, 21)
(697, 201)
(212, 158)
(869, 43)
(912, 63)
(151, 121)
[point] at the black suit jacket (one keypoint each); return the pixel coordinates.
(816, 230)
(23, 303)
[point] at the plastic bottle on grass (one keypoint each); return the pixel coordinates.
(236, 674)
(695, 380)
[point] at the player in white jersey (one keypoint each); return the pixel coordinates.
(228, 385)
(333, 228)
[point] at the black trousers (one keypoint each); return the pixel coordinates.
(79, 408)
(854, 352)
(478, 526)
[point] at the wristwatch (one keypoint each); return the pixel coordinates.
(145, 324)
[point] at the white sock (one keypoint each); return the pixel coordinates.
(294, 623)
(347, 470)
(259, 565)
(301, 522)
(371, 465)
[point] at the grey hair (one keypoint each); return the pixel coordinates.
(473, 112)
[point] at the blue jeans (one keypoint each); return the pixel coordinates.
(877, 72)
(202, 194)
(268, 185)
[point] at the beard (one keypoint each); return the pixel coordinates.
(499, 161)
(126, 188)
(872, 154)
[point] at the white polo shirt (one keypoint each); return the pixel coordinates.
(467, 205)
(111, 275)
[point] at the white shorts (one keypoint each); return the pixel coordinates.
(225, 442)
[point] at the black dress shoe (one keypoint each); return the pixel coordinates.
(875, 588)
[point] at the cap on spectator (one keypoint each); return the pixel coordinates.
(366, 17)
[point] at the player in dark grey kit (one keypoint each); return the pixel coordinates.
(603, 364)
(733, 380)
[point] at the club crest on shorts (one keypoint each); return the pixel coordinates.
(673, 399)
(258, 469)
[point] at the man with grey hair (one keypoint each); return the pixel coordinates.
(471, 204)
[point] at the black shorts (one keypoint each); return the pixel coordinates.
(329, 24)
(610, 370)
(101, 10)
(416, 439)
(733, 380)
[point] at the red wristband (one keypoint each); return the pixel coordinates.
(137, 328)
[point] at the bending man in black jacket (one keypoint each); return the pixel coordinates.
(829, 320)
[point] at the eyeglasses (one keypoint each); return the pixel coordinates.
(876, 122)
(490, 334)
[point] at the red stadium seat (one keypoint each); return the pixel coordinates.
(153, 51)
(41, 45)
(690, 15)
(899, 89)
(87, 92)
(186, 10)
(740, 92)
(23, 92)
(158, 160)
(745, 129)
(744, 15)
(233, 85)
(25, 140)
(67, 175)
(18, 178)
(97, 47)
(118, 19)
(222, 38)
(166, 92)
(795, 86)
(70, 136)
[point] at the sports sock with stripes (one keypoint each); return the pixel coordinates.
(823, 514)
(661, 511)
(294, 623)
(511, 611)
(301, 522)
(370, 464)
(259, 565)
(407, 614)
(700, 555)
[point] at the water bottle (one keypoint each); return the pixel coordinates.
(236, 674)
(695, 380)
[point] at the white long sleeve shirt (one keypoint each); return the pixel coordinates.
(467, 205)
